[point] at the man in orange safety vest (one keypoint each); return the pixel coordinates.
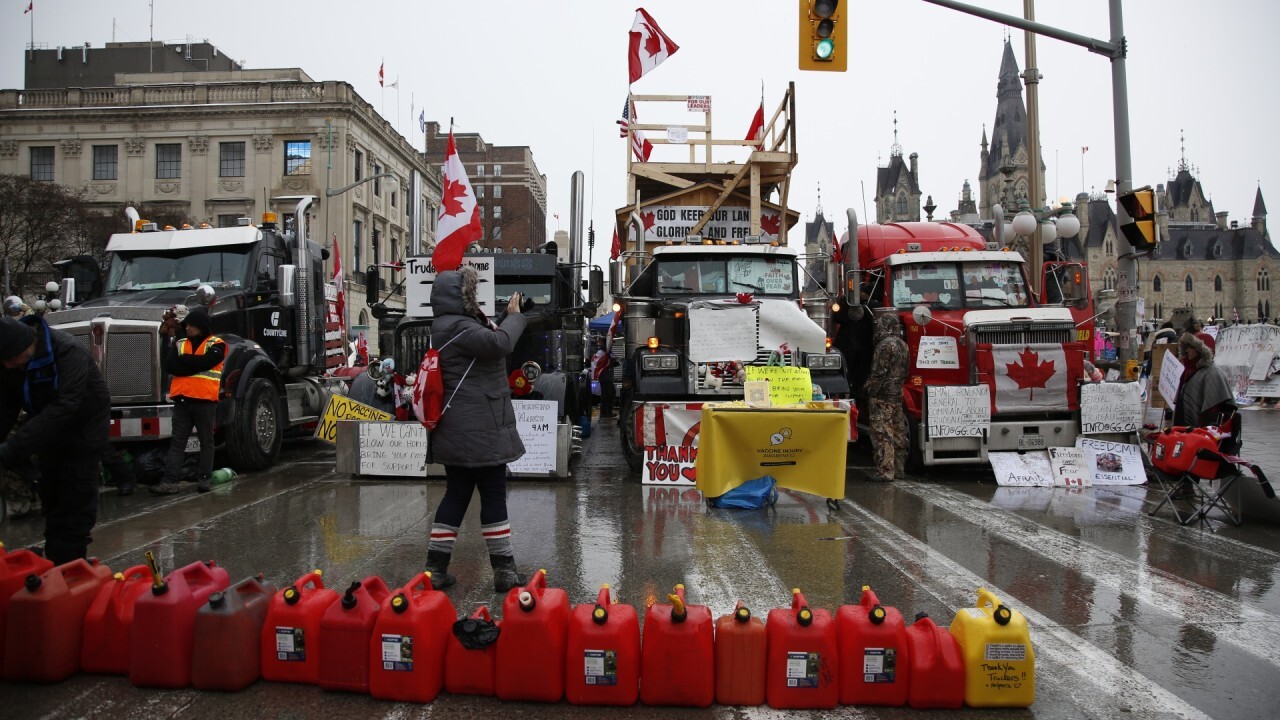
(195, 363)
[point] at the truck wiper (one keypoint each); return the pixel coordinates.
(748, 285)
(672, 287)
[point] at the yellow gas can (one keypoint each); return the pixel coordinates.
(1000, 664)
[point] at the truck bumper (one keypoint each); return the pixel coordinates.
(1003, 436)
(142, 422)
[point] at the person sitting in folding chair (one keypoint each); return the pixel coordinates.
(1204, 397)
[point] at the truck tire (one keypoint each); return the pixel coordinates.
(632, 451)
(253, 440)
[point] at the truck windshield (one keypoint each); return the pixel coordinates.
(159, 270)
(720, 276)
(952, 286)
(538, 292)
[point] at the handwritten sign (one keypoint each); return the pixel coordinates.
(937, 352)
(722, 334)
(699, 103)
(787, 385)
(1170, 375)
(1262, 363)
(678, 135)
(1113, 463)
(1070, 467)
(669, 465)
(393, 448)
(1030, 469)
(536, 423)
(341, 407)
(958, 410)
(1264, 388)
(421, 274)
(1110, 408)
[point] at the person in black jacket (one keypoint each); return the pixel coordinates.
(195, 364)
(51, 376)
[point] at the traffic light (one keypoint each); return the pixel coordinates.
(822, 36)
(1141, 230)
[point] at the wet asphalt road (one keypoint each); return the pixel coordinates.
(1132, 616)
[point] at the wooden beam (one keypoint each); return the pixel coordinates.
(653, 173)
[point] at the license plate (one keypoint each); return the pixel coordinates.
(193, 444)
(1031, 442)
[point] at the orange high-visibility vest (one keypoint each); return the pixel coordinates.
(203, 385)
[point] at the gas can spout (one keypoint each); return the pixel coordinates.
(678, 612)
(527, 603)
(158, 585)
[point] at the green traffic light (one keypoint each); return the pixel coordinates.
(824, 49)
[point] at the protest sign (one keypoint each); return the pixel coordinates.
(341, 407)
(937, 352)
(536, 424)
(958, 410)
(1070, 467)
(1029, 469)
(1110, 408)
(1170, 376)
(1113, 463)
(787, 385)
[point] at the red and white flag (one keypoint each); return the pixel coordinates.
(342, 292)
(616, 250)
(380, 76)
(1033, 378)
(757, 124)
(639, 144)
(604, 357)
(30, 6)
(649, 46)
(459, 223)
(362, 351)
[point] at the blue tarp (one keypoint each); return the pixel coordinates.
(600, 325)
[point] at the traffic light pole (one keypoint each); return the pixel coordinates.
(1115, 50)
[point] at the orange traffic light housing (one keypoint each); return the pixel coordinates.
(822, 36)
(1141, 230)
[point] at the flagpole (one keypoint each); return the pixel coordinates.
(31, 49)
(398, 105)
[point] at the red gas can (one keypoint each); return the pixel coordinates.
(290, 647)
(740, 658)
(803, 659)
(874, 668)
(346, 630)
(14, 568)
(164, 623)
(470, 671)
(937, 666)
(678, 658)
(225, 653)
(602, 660)
(406, 656)
(531, 648)
(46, 618)
(106, 644)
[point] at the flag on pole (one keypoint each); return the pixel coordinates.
(837, 253)
(1084, 149)
(30, 6)
(757, 124)
(422, 121)
(617, 246)
(380, 75)
(459, 223)
(604, 356)
(338, 280)
(639, 145)
(648, 47)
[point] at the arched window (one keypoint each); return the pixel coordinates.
(1217, 283)
(1189, 284)
(1157, 285)
(1260, 313)
(1109, 279)
(902, 204)
(1160, 310)
(1267, 314)
(1111, 250)
(1217, 310)
(1264, 281)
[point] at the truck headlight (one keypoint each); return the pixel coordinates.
(824, 361)
(656, 362)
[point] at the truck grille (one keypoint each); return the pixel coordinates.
(1025, 334)
(731, 384)
(130, 366)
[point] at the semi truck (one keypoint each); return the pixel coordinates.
(262, 286)
(974, 329)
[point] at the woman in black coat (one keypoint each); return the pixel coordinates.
(476, 436)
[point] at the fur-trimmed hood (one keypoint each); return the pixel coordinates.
(1204, 353)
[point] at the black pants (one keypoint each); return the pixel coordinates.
(462, 482)
(69, 500)
(186, 414)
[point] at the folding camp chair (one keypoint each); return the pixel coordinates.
(1197, 467)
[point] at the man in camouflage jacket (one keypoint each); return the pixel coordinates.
(884, 394)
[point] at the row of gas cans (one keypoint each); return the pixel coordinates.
(193, 627)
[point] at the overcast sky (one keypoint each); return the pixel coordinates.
(551, 74)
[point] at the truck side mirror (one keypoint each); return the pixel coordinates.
(852, 294)
(371, 285)
(595, 286)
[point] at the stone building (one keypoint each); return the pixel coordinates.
(1004, 173)
(898, 186)
(510, 191)
(215, 145)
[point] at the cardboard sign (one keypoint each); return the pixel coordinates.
(937, 352)
(341, 407)
(421, 274)
(1031, 469)
(1070, 467)
(1170, 375)
(669, 465)
(1113, 463)
(536, 423)
(393, 448)
(787, 385)
(958, 410)
(1110, 408)
(1261, 365)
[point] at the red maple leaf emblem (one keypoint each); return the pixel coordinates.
(1030, 372)
(769, 224)
(453, 193)
(647, 219)
(652, 43)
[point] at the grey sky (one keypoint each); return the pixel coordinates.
(551, 74)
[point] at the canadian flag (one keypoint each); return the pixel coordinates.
(380, 76)
(757, 124)
(1032, 378)
(459, 223)
(338, 282)
(649, 46)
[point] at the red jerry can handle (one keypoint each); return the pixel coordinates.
(482, 613)
(421, 581)
(600, 615)
(293, 593)
(800, 606)
(79, 569)
(137, 572)
(531, 593)
(204, 569)
(869, 598)
(741, 613)
(377, 588)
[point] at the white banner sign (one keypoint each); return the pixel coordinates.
(1110, 408)
(937, 352)
(674, 222)
(1170, 375)
(958, 410)
(421, 274)
(722, 333)
(1070, 467)
(678, 135)
(1030, 469)
(536, 423)
(1113, 463)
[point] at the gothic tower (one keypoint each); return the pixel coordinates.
(1004, 167)
(898, 186)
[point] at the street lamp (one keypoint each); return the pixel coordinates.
(1068, 223)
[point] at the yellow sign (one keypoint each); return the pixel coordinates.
(802, 449)
(341, 407)
(787, 385)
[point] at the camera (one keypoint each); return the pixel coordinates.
(526, 304)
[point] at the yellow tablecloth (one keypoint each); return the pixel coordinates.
(803, 449)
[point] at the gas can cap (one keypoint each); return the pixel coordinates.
(876, 616)
(217, 600)
(1003, 615)
(399, 604)
(291, 595)
(33, 582)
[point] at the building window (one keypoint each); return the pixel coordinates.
(359, 166)
(168, 161)
(357, 237)
(1188, 285)
(231, 159)
(484, 214)
(105, 162)
(479, 170)
(1217, 311)
(902, 205)
(226, 221)
(497, 170)
(497, 212)
(1264, 280)
(377, 181)
(497, 233)
(1109, 279)
(42, 163)
(1217, 283)
(375, 241)
(497, 189)
(480, 191)
(1157, 285)
(297, 157)
(393, 196)
(1260, 313)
